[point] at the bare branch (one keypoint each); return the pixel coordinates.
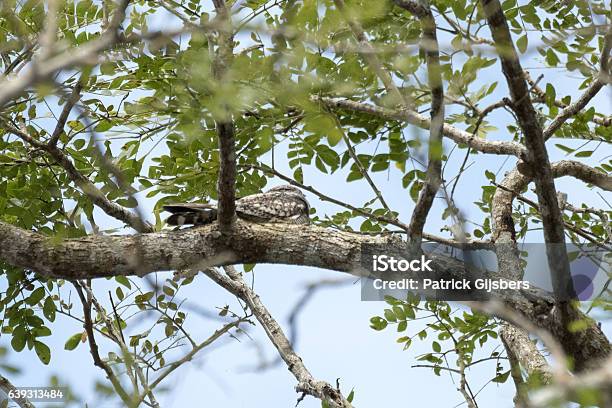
(592, 90)
(93, 347)
(70, 102)
(307, 384)
(463, 386)
(134, 371)
(189, 356)
(414, 118)
(360, 167)
(6, 386)
(226, 183)
(429, 45)
(573, 108)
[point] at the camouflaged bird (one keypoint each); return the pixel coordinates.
(279, 204)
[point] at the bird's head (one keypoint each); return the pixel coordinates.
(287, 189)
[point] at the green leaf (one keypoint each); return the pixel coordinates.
(73, 341)
(501, 377)
(551, 58)
(43, 352)
(36, 296)
(521, 44)
(378, 323)
(32, 111)
(79, 144)
(565, 148)
(390, 316)
(399, 313)
(551, 95)
(103, 126)
(18, 341)
(409, 312)
(124, 281)
(351, 396)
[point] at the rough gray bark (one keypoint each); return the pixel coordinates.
(537, 156)
(197, 248)
(518, 343)
(503, 233)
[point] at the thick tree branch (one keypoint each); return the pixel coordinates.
(524, 350)
(413, 7)
(534, 140)
(414, 118)
(509, 264)
(516, 371)
(559, 368)
(198, 248)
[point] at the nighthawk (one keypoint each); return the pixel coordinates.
(279, 204)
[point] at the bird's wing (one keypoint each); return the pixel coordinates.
(270, 206)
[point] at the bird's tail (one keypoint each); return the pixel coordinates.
(190, 214)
